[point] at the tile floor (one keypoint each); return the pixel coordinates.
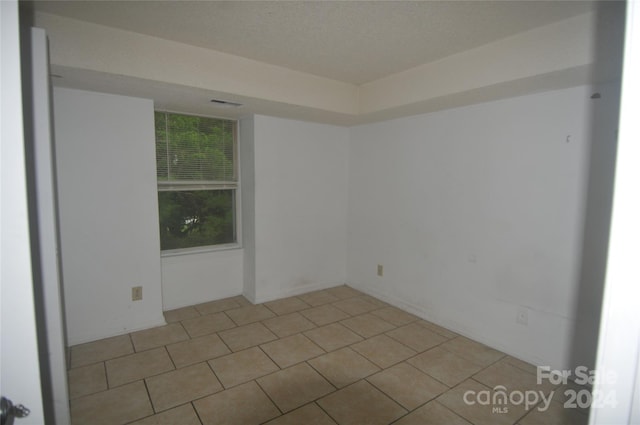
(335, 356)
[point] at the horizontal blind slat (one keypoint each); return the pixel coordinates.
(195, 185)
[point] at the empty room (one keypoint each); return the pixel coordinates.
(358, 212)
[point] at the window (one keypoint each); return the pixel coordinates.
(197, 170)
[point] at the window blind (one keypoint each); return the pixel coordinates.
(193, 151)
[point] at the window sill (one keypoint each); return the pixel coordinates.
(200, 250)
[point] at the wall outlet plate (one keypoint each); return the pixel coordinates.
(380, 270)
(136, 293)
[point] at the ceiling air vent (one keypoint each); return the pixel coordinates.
(225, 103)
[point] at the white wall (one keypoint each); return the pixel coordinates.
(108, 213)
(300, 207)
(477, 213)
(603, 130)
(200, 277)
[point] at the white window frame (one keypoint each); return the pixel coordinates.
(210, 185)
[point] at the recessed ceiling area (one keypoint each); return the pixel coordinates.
(343, 62)
(355, 42)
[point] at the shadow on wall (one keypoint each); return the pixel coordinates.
(604, 132)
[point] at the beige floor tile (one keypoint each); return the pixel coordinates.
(384, 351)
(286, 305)
(416, 337)
(250, 314)
(445, 366)
(197, 350)
(566, 395)
(407, 385)
(343, 292)
(246, 336)
(243, 366)
(318, 298)
(87, 380)
(361, 403)
(291, 350)
(101, 350)
(395, 316)
(183, 415)
(437, 329)
(208, 324)
(218, 306)
(355, 306)
(181, 386)
(117, 406)
(343, 367)
(156, 337)
(466, 400)
(332, 337)
(245, 404)
(555, 414)
(367, 325)
(511, 377)
(179, 314)
(310, 414)
(137, 366)
(432, 413)
(324, 314)
(296, 386)
(288, 325)
(422, 363)
(472, 350)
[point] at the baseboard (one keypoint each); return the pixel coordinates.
(292, 292)
(116, 332)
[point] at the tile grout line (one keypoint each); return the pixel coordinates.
(132, 344)
(106, 375)
(216, 376)
(193, 406)
(269, 357)
(269, 397)
(171, 358)
(327, 413)
(146, 387)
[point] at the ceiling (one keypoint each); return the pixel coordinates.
(351, 41)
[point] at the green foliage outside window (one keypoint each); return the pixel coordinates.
(196, 218)
(196, 180)
(191, 148)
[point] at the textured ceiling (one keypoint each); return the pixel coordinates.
(355, 42)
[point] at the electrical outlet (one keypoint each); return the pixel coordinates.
(380, 270)
(522, 316)
(136, 293)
